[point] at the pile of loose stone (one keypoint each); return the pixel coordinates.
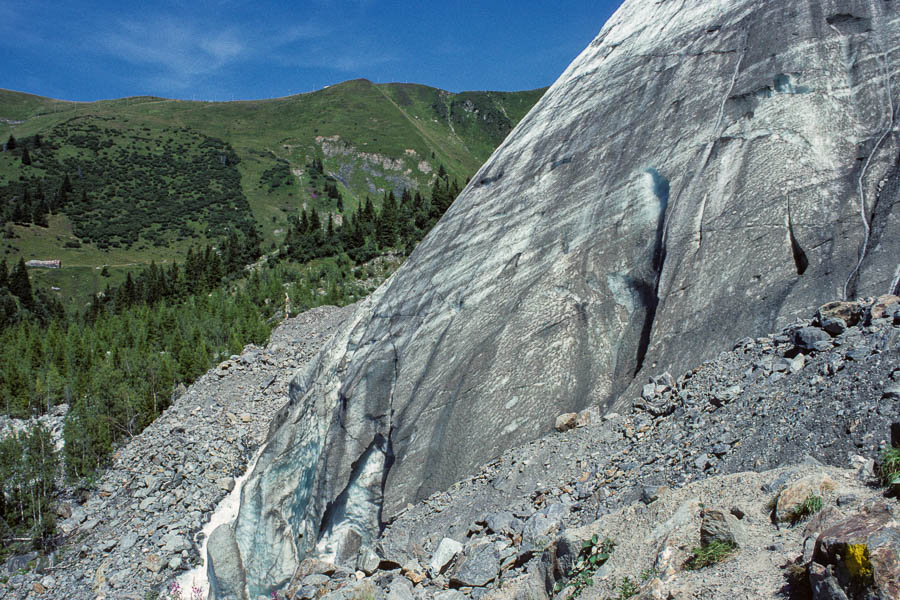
(140, 528)
(825, 390)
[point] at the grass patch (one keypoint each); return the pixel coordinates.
(709, 554)
(810, 506)
(889, 467)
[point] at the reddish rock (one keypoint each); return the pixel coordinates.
(864, 551)
(884, 306)
(566, 421)
(849, 312)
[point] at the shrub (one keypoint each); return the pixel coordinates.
(594, 553)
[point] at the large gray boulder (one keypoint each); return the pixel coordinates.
(224, 569)
(705, 170)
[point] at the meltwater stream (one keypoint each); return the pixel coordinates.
(225, 512)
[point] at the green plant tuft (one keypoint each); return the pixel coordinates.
(627, 588)
(889, 468)
(810, 506)
(594, 553)
(709, 554)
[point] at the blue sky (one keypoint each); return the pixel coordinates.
(239, 49)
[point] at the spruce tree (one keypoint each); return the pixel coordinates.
(387, 223)
(315, 224)
(20, 285)
(4, 274)
(26, 158)
(303, 227)
(11, 143)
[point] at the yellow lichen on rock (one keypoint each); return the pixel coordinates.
(857, 561)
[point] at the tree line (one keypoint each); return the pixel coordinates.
(398, 226)
(117, 364)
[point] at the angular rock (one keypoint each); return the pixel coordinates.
(450, 595)
(824, 585)
(566, 421)
(227, 576)
(848, 312)
(153, 562)
(401, 589)
(884, 307)
(478, 566)
(316, 579)
(811, 338)
(368, 560)
(539, 531)
(313, 565)
(834, 325)
(719, 526)
(504, 522)
(651, 493)
(864, 548)
(446, 551)
(792, 496)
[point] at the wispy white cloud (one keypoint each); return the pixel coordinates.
(182, 52)
(170, 50)
(173, 46)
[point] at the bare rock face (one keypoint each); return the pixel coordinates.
(705, 170)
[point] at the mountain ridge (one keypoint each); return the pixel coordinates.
(371, 139)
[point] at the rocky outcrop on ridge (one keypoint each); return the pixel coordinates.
(704, 170)
(141, 528)
(739, 442)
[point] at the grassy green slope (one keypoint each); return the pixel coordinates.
(370, 138)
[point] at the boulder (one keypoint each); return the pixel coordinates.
(368, 560)
(478, 566)
(224, 566)
(793, 495)
(566, 421)
(720, 526)
(446, 551)
(848, 312)
(884, 307)
(863, 551)
(811, 338)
